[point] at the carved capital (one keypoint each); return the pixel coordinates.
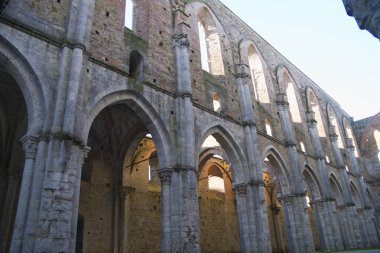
(180, 40)
(350, 144)
(165, 176)
(282, 100)
(29, 144)
(241, 189)
(241, 71)
(310, 119)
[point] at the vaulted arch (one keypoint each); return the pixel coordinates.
(148, 116)
(349, 133)
(312, 183)
(231, 151)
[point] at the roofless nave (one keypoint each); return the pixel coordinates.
(128, 145)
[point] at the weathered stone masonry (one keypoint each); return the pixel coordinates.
(116, 140)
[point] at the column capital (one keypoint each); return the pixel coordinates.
(165, 175)
(282, 99)
(350, 144)
(241, 189)
(29, 144)
(242, 71)
(310, 119)
(181, 40)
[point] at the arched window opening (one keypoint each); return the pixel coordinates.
(216, 102)
(210, 45)
(346, 166)
(292, 99)
(128, 21)
(257, 75)
(215, 179)
(302, 145)
(327, 159)
(350, 134)
(313, 103)
(334, 124)
(203, 47)
(136, 65)
(210, 142)
(268, 128)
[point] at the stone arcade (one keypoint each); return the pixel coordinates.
(119, 140)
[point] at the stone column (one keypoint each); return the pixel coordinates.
(187, 240)
(166, 178)
(348, 219)
(125, 198)
(297, 224)
(29, 144)
(257, 213)
(241, 203)
(294, 204)
(329, 233)
(278, 228)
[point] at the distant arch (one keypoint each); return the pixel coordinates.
(231, 152)
(312, 183)
(356, 196)
(336, 189)
(282, 173)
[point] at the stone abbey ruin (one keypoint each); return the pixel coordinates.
(121, 140)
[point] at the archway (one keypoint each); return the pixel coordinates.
(217, 202)
(120, 196)
(13, 126)
(313, 196)
(273, 180)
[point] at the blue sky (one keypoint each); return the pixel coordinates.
(322, 41)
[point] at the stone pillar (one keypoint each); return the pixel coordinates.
(347, 212)
(327, 224)
(187, 239)
(328, 232)
(29, 144)
(125, 198)
(259, 233)
(294, 204)
(241, 203)
(297, 224)
(166, 178)
(278, 228)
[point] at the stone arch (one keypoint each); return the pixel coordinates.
(221, 50)
(230, 147)
(14, 63)
(312, 183)
(356, 196)
(250, 56)
(334, 125)
(314, 106)
(280, 169)
(336, 189)
(288, 86)
(148, 116)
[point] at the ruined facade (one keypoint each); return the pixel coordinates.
(121, 140)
